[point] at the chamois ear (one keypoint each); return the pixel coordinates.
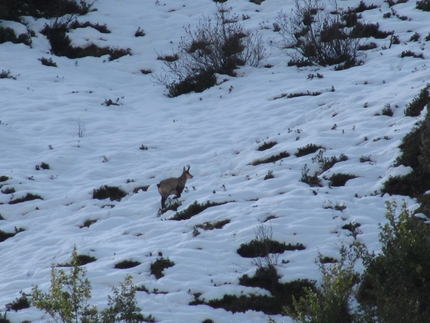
(188, 168)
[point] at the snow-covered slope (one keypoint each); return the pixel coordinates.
(216, 132)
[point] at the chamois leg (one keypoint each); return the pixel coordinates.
(163, 202)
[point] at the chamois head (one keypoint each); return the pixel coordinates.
(173, 185)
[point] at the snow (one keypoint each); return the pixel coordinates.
(216, 132)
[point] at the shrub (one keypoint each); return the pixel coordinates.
(20, 303)
(269, 175)
(308, 149)
(318, 36)
(326, 163)
(312, 180)
(211, 226)
(158, 266)
(256, 248)
(265, 278)
(331, 302)
(48, 62)
(395, 281)
(339, 179)
(244, 303)
(414, 108)
(126, 264)
(67, 300)
(423, 5)
(27, 197)
(271, 159)
(170, 207)
(387, 111)
(112, 192)
(8, 34)
(415, 148)
(60, 42)
(5, 235)
(68, 296)
(408, 53)
(122, 306)
(139, 32)
(267, 145)
(8, 190)
(217, 45)
(7, 75)
(194, 209)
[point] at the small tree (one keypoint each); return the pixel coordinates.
(67, 299)
(397, 282)
(69, 293)
(123, 306)
(331, 302)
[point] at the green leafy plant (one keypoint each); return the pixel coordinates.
(331, 301)
(396, 281)
(67, 300)
(68, 296)
(122, 306)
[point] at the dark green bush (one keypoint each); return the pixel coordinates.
(197, 82)
(306, 150)
(158, 266)
(261, 248)
(126, 264)
(244, 303)
(8, 34)
(6, 235)
(20, 303)
(27, 197)
(339, 179)
(61, 43)
(194, 209)
(423, 5)
(271, 159)
(48, 62)
(14, 9)
(267, 145)
(415, 148)
(112, 192)
(267, 278)
(414, 108)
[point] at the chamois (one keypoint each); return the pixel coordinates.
(173, 185)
